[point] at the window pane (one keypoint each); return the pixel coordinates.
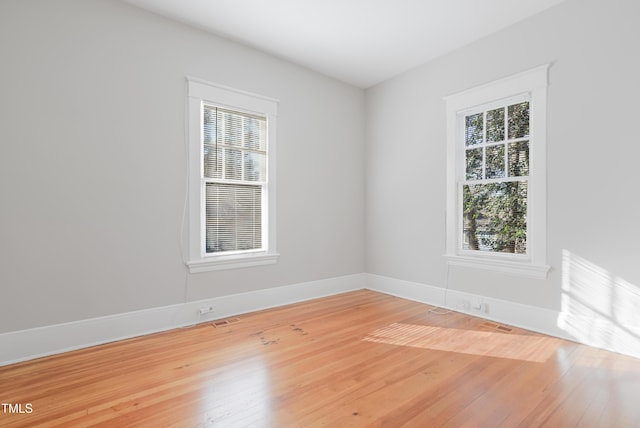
(495, 125)
(233, 164)
(474, 164)
(473, 129)
(233, 217)
(229, 128)
(518, 120)
(212, 158)
(495, 217)
(254, 166)
(519, 159)
(255, 131)
(495, 161)
(209, 125)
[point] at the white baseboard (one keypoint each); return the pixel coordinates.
(518, 315)
(48, 340)
(406, 289)
(532, 318)
(38, 342)
(596, 332)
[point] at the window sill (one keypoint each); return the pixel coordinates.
(237, 261)
(511, 267)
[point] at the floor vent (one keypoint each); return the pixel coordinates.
(224, 323)
(497, 327)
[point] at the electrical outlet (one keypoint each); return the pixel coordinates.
(206, 310)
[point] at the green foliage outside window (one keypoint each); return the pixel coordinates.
(496, 180)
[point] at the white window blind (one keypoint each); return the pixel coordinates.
(234, 153)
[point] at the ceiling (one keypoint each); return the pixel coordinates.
(361, 42)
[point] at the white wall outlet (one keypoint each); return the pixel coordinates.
(205, 310)
(485, 307)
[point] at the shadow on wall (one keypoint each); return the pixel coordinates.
(599, 308)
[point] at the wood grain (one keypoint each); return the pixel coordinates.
(360, 359)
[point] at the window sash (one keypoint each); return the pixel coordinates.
(233, 217)
(488, 241)
(234, 145)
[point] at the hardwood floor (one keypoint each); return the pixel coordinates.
(360, 359)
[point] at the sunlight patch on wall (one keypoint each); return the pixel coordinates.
(500, 345)
(599, 308)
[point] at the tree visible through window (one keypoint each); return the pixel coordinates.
(495, 184)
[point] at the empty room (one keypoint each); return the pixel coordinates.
(290, 213)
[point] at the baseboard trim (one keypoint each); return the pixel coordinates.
(529, 317)
(23, 345)
(406, 289)
(596, 332)
(518, 315)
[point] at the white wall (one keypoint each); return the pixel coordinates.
(593, 157)
(92, 162)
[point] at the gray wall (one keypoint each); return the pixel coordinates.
(92, 162)
(593, 156)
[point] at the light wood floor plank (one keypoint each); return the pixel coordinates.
(360, 359)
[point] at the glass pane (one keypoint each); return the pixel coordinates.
(495, 217)
(474, 164)
(209, 125)
(233, 217)
(495, 125)
(495, 161)
(255, 131)
(518, 120)
(518, 159)
(473, 128)
(233, 164)
(229, 128)
(212, 158)
(254, 166)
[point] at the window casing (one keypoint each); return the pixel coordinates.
(231, 203)
(496, 175)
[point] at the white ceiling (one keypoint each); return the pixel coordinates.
(361, 42)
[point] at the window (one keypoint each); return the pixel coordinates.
(231, 178)
(496, 175)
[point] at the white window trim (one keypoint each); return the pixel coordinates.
(533, 82)
(199, 92)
